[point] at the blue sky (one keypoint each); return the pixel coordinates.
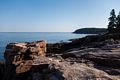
(54, 15)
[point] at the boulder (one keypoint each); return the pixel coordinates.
(19, 58)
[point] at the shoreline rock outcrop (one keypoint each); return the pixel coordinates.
(19, 58)
(92, 57)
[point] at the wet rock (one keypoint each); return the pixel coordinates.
(2, 69)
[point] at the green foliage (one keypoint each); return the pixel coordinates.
(118, 22)
(114, 22)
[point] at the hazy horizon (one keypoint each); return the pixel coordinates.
(54, 15)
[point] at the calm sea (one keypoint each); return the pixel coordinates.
(50, 37)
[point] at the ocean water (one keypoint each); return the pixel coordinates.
(50, 37)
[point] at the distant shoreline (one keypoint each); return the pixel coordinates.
(90, 31)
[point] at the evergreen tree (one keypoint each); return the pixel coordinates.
(112, 22)
(118, 22)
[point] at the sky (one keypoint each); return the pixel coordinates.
(54, 15)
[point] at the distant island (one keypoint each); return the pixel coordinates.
(90, 31)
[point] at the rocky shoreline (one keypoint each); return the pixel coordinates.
(95, 57)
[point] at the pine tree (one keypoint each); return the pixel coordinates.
(118, 22)
(112, 22)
